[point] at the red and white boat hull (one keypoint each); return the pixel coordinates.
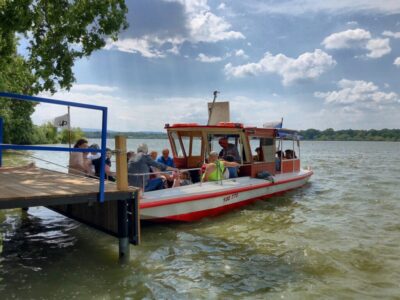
(193, 202)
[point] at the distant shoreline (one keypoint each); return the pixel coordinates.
(383, 135)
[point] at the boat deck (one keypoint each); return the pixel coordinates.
(31, 186)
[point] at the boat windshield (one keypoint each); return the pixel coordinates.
(177, 145)
(226, 145)
(186, 144)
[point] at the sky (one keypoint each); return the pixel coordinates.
(316, 64)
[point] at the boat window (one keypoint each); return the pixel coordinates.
(176, 144)
(233, 142)
(186, 143)
(289, 146)
(262, 149)
(196, 146)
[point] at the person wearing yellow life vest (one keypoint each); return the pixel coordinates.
(215, 168)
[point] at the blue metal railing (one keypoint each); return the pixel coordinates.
(102, 149)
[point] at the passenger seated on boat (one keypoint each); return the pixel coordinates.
(167, 178)
(93, 155)
(228, 149)
(109, 175)
(129, 155)
(290, 154)
(215, 168)
(139, 169)
(166, 159)
(153, 155)
(183, 179)
(257, 157)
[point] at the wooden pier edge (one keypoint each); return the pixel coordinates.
(119, 218)
(77, 198)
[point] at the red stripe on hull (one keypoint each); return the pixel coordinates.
(217, 194)
(212, 212)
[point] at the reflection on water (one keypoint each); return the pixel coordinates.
(338, 237)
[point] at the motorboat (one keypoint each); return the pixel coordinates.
(260, 175)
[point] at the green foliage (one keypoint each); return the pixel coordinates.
(45, 134)
(351, 135)
(58, 32)
(18, 127)
(73, 135)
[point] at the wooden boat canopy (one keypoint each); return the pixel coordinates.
(191, 144)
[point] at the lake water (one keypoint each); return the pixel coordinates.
(336, 238)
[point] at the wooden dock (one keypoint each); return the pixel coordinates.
(75, 197)
(110, 207)
(30, 186)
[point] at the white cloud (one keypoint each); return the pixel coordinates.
(358, 38)
(397, 61)
(201, 25)
(359, 93)
(295, 7)
(138, 116)
(222, 6)
(122, 113)
(378, 47)
(208, 59)
(352, 23)
(346, 39)
(146, 46)
(309, 65)
(241, 53)
(395, 35)
(93, 88)
(204, 26)
(80, 117)
(125, 115)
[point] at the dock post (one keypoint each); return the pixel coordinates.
(1, 141)
(123, 231)
(122, 184)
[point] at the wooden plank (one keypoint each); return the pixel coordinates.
(25, 187)
(102, 216)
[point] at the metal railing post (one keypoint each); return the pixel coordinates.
(103, 154)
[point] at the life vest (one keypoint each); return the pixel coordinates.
(218, 173)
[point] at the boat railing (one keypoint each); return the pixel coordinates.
(164, 172)
(179, 171)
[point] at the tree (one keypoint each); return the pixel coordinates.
(58, 32)
(45, 134)
(66, 136)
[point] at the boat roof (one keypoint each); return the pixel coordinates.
(232, 126)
